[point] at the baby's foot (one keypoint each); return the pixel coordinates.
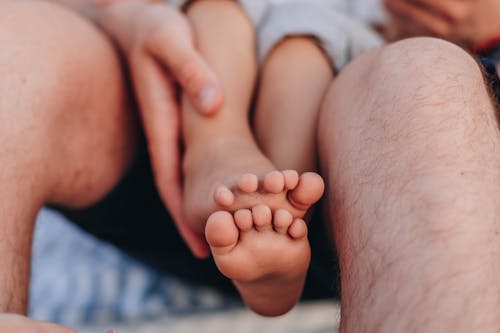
(234, 174)
(300, 192)
(265, 254)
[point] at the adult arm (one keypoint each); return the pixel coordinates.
(466, 22)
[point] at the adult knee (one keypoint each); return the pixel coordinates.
(63, 95)
(424, 68)
(417, 109)
(404, 81)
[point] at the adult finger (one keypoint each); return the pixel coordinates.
(406, 28)
(430, 20)
(174, 47)
(160, 117)
(454, 10)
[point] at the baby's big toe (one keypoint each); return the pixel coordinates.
(221, 232)
(308, 191)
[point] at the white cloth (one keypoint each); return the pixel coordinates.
(339, 32)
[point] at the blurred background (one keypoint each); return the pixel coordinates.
(82, 282)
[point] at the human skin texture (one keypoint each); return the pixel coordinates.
(409, 146)
(468, 23)
(263, 247)
(40, 99)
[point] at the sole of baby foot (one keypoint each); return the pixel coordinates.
(266, 255)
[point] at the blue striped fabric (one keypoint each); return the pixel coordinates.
(77, 279)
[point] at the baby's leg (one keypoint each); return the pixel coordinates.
(294, 79)
(220, 148)
(223, 166)
(224, 169)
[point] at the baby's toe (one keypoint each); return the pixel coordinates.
(262, 217)
(298, 229)
(291, 179)
(243, 219)
(308, 191)
(248, 183)
(282, 221)
(223, 196)
(274, 182)
(221, 232)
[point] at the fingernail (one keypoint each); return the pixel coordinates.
(206, 97)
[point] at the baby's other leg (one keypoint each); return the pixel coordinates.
(295, 77)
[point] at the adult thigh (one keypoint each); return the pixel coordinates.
(409, 144)
(66, 126)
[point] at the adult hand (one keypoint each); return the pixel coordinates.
(19, 324)
(158, 44)
(465, 22)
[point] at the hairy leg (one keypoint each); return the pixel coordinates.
(62, 108)
(410, 148)
(295, 77)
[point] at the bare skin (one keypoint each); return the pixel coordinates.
(287, 110)
(410, 230)
(265, 254)
(224, 165)
(40, 98)
(414, 174)
(67, 193)
(466, 23)
(43, 169)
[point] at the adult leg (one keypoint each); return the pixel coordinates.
(65, 135)
(410, 146)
